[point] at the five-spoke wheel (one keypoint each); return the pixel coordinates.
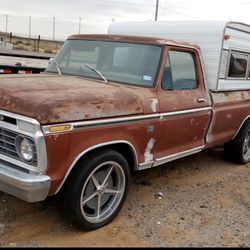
(97, 189)
(239, 148)
(102, 191)
(246, 146)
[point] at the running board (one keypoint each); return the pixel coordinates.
(169, 158)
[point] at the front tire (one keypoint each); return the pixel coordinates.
(97, 189)
(239, 148)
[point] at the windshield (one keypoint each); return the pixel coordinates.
(127, 63)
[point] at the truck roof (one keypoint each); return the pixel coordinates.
(136, 39)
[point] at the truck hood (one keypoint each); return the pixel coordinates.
(50, 98)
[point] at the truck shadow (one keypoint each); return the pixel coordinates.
(178, 183)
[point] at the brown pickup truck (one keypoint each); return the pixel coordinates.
(105, 106)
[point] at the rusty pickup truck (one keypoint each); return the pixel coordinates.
(108, 105)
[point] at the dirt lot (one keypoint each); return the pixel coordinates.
(205, 202)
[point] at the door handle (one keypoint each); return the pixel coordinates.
(201, 100)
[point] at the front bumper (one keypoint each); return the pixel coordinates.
(28, 187)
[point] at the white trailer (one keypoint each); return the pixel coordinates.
(225, 47)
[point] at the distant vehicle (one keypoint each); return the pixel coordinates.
(22, 62)
(108, 105)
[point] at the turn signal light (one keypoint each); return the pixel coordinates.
(60, 128)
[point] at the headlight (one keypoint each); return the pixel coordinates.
(25, 149)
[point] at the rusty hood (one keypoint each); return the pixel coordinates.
(50, 98)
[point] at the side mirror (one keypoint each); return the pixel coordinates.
(51, 60)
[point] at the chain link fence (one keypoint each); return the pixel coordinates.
(43, 33)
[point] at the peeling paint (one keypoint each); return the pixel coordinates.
(210, 135)
(234, 96)
(154, 105)
(54, 99)
(55, 136)
(147, 155)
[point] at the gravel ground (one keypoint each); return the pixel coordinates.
(199, 201)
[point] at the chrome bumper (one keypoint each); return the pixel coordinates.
(28, 187)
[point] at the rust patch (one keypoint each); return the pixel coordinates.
(53, 99)
(134, 39)
(230, 96)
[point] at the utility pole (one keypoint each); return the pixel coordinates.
(80, 23)
(6, 28)
(30, 27)
(54, 27)
(156, 9)
(6, 24)
(38, 42)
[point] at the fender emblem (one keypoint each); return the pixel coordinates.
(150, 129)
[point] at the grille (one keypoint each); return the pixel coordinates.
(8, 145)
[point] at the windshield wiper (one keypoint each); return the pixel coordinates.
(97, 72)
(53, 60)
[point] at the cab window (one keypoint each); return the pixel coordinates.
(180, 72)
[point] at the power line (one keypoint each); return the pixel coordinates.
(181, 3)
(177, 12)
(169, 9)
(149, 5)
(127, 3)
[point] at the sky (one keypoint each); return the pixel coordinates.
(60, 18)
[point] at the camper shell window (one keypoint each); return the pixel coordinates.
(238, 65)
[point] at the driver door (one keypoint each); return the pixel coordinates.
(185, 105)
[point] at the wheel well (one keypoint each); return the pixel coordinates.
(127, 151)
(124, 149)
(241, 126)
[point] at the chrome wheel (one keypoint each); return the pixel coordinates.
(246, 146)
(102, 192)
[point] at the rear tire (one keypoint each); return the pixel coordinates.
(97, 189)
(238, 149)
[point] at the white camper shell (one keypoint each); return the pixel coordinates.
(225, 47)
